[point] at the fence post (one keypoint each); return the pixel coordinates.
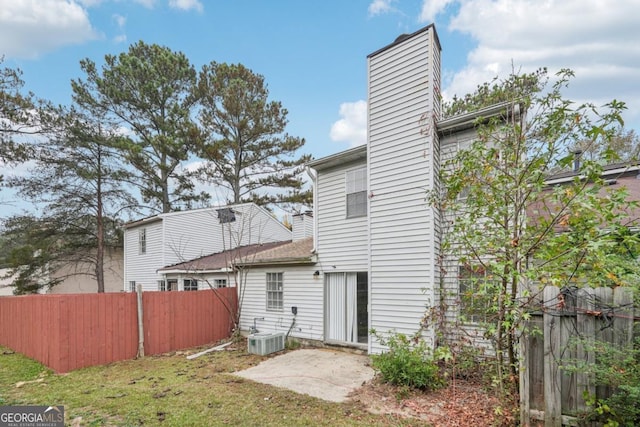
(525, 409)
(552, 379)
(140, 321)
(585, 354)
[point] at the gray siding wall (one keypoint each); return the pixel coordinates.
(300, 289)
(141, 268)
(192, 234)
(454, 330)
(342, 241)
(403, 81)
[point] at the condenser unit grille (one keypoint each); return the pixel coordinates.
(265, 343)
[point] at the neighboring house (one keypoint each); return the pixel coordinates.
(211, 271)
(76, 277)
(153, 243)
(79, 277)
(5, 282)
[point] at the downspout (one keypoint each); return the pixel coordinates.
(314, 179)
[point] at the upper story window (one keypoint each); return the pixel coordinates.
(226, 215)
(142, 241)
(356, 183)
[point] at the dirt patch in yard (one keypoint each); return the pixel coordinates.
(463, 403)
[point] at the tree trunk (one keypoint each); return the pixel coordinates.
(99, 227)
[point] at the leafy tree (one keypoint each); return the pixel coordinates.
(79, 181)
(624, 146)
(496, 92)
(148, 91)
(247, 151)
(22, 116)
(14, 113)
(29, 245)
(504, 218)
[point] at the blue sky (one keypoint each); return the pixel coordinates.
(313, 54)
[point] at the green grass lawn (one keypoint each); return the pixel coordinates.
(170, 390)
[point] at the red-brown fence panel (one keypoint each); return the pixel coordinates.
(71, 331)
(177, 320)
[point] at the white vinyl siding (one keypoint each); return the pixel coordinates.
(141, 268)
(142, 241)
(302, 225)
(301, 289)
(452, 286)
(401, 128)
(342, 242)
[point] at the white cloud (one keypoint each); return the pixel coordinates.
(120, 23)
(31, 28)
(89, 3)
(431, 8)
(146, 3)
(596, 40)
(352, 127)
(186, 5)
(120, 20)
(379, 7)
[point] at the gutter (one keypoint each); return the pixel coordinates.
(468, 120)
(570, 178)
(314, 179)
(280, 261)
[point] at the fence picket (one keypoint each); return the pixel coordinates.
(72, 331)
(599, 315)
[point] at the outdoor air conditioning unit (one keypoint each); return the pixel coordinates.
(265, 343)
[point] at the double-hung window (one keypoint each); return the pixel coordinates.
(190, 285)
(356, 189)
(275, 291)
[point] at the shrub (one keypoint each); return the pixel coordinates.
(408, 362)
(619, 369)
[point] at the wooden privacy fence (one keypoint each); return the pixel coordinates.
(67, 332)
(570, 321)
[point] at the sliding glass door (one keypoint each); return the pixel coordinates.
(346, 315)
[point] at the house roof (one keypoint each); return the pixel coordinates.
(608, 171)
(296, 252)
(222, 260)
(347, 156)
(616, 176)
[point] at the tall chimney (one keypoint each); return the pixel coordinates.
(577, 156)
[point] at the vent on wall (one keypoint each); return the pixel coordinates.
(265, 343)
